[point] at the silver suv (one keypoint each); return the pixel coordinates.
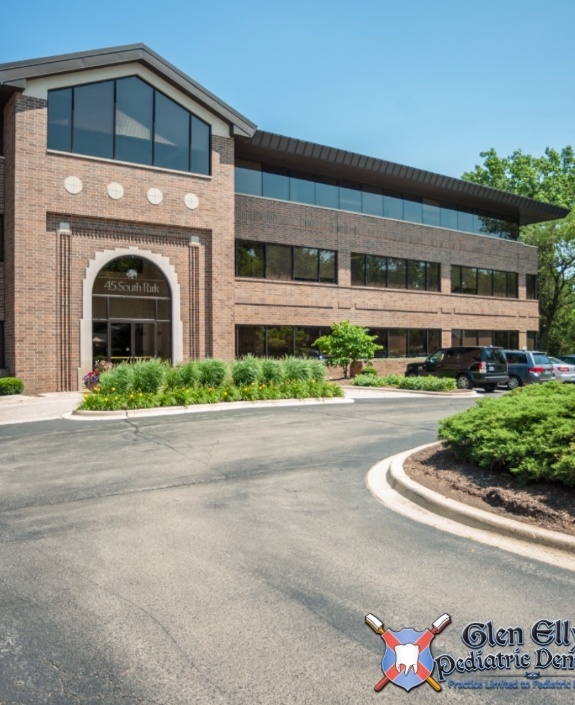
(527, 367)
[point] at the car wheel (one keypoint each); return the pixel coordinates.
(463, 382)
(411, 374)
(514, 382)
(490, 387)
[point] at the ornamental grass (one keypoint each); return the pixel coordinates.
(153, 383)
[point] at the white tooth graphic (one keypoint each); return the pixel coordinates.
(406, 655)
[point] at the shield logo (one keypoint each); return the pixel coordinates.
(407, 660)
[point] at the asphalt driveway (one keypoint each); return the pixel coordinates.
(231, 558)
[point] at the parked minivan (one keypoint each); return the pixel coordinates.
(469, 365)
(527, 367)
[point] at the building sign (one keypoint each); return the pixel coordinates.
(129, 284)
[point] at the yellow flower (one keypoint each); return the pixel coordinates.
(113, 389)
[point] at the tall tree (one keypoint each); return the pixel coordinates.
(550, 178)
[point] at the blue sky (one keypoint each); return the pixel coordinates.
(428, 83)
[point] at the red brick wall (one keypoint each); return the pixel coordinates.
(45, 270)
(296, 303)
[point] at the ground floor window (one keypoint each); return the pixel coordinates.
(406, 342)
(131, 311)
(508, 339)
(279, 341)
(532, 340)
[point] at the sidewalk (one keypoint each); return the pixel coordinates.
(19, 408)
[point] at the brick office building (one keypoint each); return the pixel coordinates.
(142, 216)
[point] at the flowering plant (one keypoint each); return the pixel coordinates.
(92, 378)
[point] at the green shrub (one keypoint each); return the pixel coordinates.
(318, 370)
(118, 379)
(296, 368)
(368, 370)
(149, 376)
(213, 372)
(529, 433)
(189, 374)
(247, 370)
(272, 370)
(11, 385)
(423, 384)
(428, 384)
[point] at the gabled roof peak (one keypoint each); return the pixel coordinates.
(15, 75)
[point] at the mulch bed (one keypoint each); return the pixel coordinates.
(545, 505)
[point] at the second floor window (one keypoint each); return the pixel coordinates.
(271, 261)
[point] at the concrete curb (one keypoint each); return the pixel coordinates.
(199, 408)
(456, 394)
(464, 514)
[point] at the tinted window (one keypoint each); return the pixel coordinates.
(516, 358)
(134, 120)
(375, 271)
(396, 273)
(172, 136)
(60, 120)
(327, 266)
(372, 202)
(350, 199)
(250, 260)
(93, 132)
(540, 359)
(495, 355)
(327, 194)
(279, 262)
(302, 190)
(119, 119)
(249, 179)
(305, 263)
(200, 147)
(275, 184)
(357, 269)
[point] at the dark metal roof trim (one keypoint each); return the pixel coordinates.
(337, 163)
(16, 74)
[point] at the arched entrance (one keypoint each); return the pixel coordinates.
(131, 311)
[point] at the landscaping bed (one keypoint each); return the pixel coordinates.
(546, 505)
(153, 384)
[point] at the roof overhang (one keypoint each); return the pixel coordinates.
(14, 77)
(337, 163)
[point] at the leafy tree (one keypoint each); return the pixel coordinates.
(549, 178)
(347, 344)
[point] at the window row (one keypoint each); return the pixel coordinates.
(483, 282)
(508, 339)
(129, 120)
(279, 341)
(395, 273)
(254, 179)
(285, 262)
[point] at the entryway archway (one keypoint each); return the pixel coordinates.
(131, 311)
(95, 266)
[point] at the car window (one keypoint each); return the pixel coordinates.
(495, 355)
(540, 359)
(516, 358)
(470, 355)
(436, 357)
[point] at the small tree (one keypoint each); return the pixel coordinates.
(347, 344)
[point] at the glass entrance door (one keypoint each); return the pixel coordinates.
(135, 340)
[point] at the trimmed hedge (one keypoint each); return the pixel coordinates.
(424, 384)
(529, 433)
(11, 385)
